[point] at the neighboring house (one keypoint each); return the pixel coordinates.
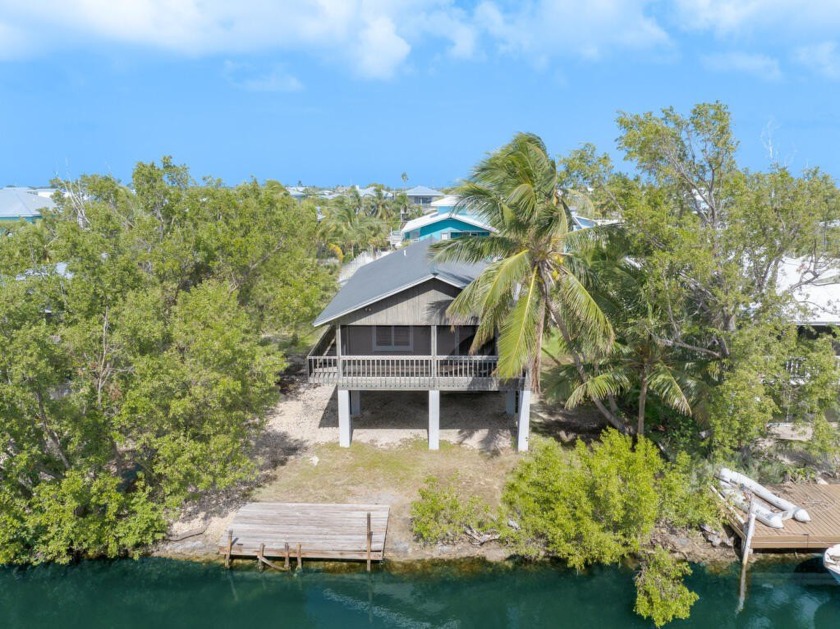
(444, 227)
(818, 299)
(388, 330)
(445, 222)
(450, 221)
(23, 204)
(298, 193)
(421, 195)
(371, 191)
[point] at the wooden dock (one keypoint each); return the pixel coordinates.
(295, 531)
(823, 505)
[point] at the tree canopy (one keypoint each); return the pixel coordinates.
(136, 365)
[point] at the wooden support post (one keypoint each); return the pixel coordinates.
(369, 537)
(261, 557)
(355, 403)
(746, 550)
(229, 549)
(338, 351)
(299, 559)
(286, 563)
(344, 424)
(434, 420)
(524, 428)
(434, 370)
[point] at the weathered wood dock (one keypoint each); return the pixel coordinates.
(823, 505)
(297, 531)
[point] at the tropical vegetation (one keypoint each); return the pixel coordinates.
(669, 316)
(137, 324)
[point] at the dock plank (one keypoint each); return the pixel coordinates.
(823, 505)
(323, 531)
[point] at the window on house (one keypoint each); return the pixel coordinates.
(393, 337)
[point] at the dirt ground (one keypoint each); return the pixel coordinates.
(388, 462)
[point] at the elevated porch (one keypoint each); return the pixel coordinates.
(411, 363)
(402, 370)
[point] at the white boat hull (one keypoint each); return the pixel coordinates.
(789, 509)
(831, 561)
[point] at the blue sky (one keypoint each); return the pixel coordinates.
(355, 91)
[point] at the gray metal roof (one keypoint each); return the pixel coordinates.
(423, 191)
(22, 203)
(393, 274)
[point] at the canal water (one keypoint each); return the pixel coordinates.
(159, 593)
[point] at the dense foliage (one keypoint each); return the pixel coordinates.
(597, 504)
(689, 279)
(135, 366)
(660, 592)
(600, 504)
(352, 223)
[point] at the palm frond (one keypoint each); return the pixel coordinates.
(579, 303)
(598, 387)
(518, 339)
(667, 389)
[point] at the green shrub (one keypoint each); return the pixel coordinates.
(660, 592)
(442, 515)
(595, 505)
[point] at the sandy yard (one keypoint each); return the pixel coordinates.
(387, 463)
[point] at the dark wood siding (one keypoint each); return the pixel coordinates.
(424, 304)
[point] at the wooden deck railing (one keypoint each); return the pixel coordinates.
(409, 372)
(796, 367)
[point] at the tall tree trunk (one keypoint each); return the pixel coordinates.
(640, 429)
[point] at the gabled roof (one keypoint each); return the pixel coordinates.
(392, 274)
(423, 191)
(22, 203)
(430, 219)
(450, 200)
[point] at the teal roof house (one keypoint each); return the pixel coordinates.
(446, 221)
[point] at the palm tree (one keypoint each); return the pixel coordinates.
(348, 228)
(531, 283)
(640, 362)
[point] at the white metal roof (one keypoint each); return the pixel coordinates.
(820, 298)
(450, 200)
(430, 219)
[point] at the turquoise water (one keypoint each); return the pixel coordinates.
(161, 593)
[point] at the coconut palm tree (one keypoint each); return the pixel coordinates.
(531, 284)
(642, 364)
(343, 225)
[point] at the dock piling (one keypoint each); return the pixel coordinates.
(369, 537)
(229, 549)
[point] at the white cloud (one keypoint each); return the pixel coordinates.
(822, 58)
(246, 77)
(548, 28)
(380, 49)
(363, 33)
(781, 19)
(758, 65)
(376, 38)
(13, 42)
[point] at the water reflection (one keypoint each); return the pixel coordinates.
(161, 593)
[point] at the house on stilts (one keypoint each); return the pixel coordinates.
(387, 329)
